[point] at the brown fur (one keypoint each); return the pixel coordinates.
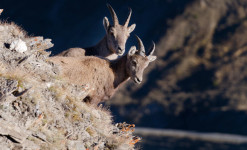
(88, 70)
(73, 52)
(102, 75)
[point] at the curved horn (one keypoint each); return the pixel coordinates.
(1, 10)
(151, 51)
(140, 46)
(128, 19)
(113, 15)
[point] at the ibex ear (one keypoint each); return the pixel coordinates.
(106, 23)
(151, 58)
(132, 51)
(131, 28)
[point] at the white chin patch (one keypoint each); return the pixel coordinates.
(120, 53)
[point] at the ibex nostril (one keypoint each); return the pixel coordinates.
(120, 49)
(137, 80)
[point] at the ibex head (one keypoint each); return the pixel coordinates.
(117, 34)
(137, 60)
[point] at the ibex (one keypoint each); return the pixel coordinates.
(102, 75)
(112, 45)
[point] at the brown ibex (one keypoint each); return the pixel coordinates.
(112, 45)
(102, 75)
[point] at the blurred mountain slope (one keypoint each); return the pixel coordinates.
(199, 81)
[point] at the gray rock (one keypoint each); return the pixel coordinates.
(7, 86)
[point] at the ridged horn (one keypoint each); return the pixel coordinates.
(1, 10)
(140, 46)
(151, 51)
(113, 15)
(128, 19)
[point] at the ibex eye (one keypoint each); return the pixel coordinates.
(134, 62)
(112, 34)
(111, 31)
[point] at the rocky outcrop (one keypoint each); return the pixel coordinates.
(39, 110)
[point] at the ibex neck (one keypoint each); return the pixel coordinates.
(120, 71)
(100, 49)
